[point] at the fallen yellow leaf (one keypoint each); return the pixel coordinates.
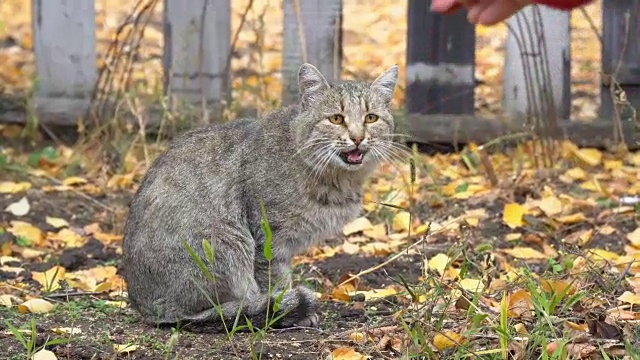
(472, 285)
(8, 187)
(446, 339)
(357, 225)
(8, 300)
(634, 237)
(525, 253)
(35, 306)
(67, 330)
(27, 231)
(74, 180)
(607, 230)
(629, 297)
(359, 336)
(572, 219)
(124, 348)
(378, 293)
(378, 232)
(513, 236)
(346, 353)
(576, 173)
(69, 237)
(56, 222)
(350, 248)
(590, 156)
(49, 279)
(550, 205)
(512, 215)
(401, 221)
(438, 263)
(44, 354)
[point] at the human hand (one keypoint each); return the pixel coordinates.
(483, 12)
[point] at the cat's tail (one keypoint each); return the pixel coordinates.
(296, 307)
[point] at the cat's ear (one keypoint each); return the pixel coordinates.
(311, 83)
(385, 84)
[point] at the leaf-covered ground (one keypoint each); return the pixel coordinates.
(444, 263)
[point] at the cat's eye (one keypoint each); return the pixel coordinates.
(371, 118)
(336, 119)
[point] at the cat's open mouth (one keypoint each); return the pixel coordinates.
(353, 157)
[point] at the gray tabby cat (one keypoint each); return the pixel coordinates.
(307, 163)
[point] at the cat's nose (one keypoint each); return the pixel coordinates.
(356, 140)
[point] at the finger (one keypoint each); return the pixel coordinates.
(444, 5)
(496, 12)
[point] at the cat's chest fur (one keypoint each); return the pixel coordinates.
(319, 215)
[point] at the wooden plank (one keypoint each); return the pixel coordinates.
(65, 54)
(427, 129)
(525, 37)
(312, 33)
(620, 51)
(197, 46)
(440, 61)
(462, 129)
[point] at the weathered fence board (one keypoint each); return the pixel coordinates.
(312, 33)
(440, 62)
(197, 46)
(538, 37)
(620, 51)
(64, 45)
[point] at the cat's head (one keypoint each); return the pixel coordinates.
(346, 126)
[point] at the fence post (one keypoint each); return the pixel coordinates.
(64, 45)
(524, 41)
(197, 35)
(312, 33)
(620, 32)
(440, 62)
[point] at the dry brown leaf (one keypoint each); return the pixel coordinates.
(557, 286)
(520, 304)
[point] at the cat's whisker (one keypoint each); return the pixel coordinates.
(319, 160)
(397, 153)
(313, 142)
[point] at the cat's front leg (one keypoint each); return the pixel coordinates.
(279, 271)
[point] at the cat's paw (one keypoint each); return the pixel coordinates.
(300, 308)
(311, 321)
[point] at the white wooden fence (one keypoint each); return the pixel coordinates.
(197, 53)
